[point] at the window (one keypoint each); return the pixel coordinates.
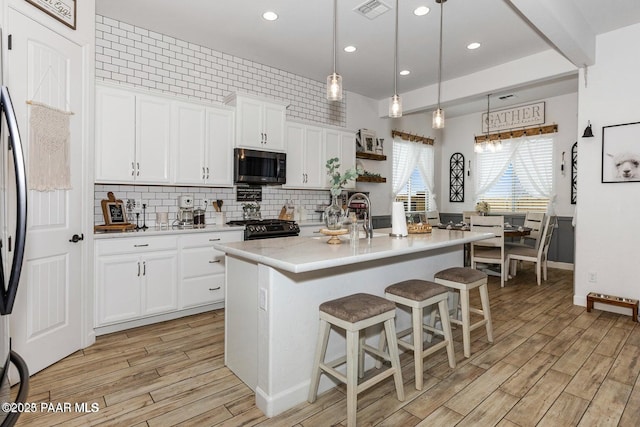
(519, 177)
(414, 194)
(411, 162)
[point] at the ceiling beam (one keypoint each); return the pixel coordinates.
(562, 24)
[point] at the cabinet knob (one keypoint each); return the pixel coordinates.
(215, 289)
(214, 261)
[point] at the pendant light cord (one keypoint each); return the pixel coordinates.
(395, 57)
(335, 24)
(440, 53)
(488, 118)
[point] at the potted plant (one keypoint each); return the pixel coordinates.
(333, 214)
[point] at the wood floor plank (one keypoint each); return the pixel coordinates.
(528, 375)
(533, 405)
(612, 343)
(472, 395)
(627, 365)
(525, 351)
(491, 410)
(632, 409)
(441, 417)
(566, 411)
(587, 380)
(575, 356)
(607, 406)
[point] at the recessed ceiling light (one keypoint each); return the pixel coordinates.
(472, 46)
(405, 72)
(421, 11)
(350, 49)
(270, 16)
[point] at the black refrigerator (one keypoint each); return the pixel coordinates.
(13, 213)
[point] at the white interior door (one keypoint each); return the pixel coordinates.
(45, 67)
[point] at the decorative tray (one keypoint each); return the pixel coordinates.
(418, 228)
(334, 240)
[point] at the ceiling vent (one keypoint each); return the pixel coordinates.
(372, 9)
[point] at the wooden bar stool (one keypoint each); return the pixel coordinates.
(464, 279)
(419, 294)
(354, 313)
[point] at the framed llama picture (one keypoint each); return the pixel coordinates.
(621, 153)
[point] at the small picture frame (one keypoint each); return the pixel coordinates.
(113, 210)
(379, 146)
(62, 10)
(621, 153)
(366, 142)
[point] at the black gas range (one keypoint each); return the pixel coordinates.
(267, 228)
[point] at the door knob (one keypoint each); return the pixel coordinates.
(76, 238)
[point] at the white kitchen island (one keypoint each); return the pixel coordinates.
(274, 288)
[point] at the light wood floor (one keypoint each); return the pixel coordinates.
(551, 364)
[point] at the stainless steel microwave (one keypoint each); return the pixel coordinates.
(259, 167)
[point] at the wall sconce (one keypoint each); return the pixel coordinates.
(588, 132)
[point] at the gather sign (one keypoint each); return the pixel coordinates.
(512, 118)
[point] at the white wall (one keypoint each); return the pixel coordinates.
(362, 112)
(459, 136)
(606, 234)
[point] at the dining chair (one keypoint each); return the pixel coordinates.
(535, 255)
(535, 221)
(433, 217)
(489, 251)
(466, 216)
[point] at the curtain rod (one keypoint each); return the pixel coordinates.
(517, 133)
(411, 137)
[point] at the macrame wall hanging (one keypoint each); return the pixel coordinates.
(49, 137)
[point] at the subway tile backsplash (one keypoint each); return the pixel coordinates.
(136, 56)
(165, 199)
(130, 55)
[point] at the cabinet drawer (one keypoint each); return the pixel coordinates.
(201, 261)
(136, 244)
(208, 239)
(202, 290)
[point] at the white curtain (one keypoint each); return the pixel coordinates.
(407, 156)
(536, 178)
(494, 163)
(425, 166)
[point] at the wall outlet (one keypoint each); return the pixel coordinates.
(592, 277)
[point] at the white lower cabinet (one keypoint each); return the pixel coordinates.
(140, 277)
(202, 268)
(135, 277)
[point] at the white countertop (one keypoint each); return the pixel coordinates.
(302, 254)
(153, 231)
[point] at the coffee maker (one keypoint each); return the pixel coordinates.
(185, 211)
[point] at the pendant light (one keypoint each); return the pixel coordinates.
(395, 106)
(438, 115)
(334, 80)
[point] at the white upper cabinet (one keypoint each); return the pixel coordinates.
(304, 156)
(220, 135)
(342, 145)
(259, 122)
(133, 137)
(115, 150)
(153, 139)
(203, 142)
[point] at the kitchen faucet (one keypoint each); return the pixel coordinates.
(368, 223)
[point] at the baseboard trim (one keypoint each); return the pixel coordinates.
(560, 265)
(102, 330)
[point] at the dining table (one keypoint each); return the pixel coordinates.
(509, 230)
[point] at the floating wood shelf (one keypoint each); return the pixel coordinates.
(370, 156)
(371, 179)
